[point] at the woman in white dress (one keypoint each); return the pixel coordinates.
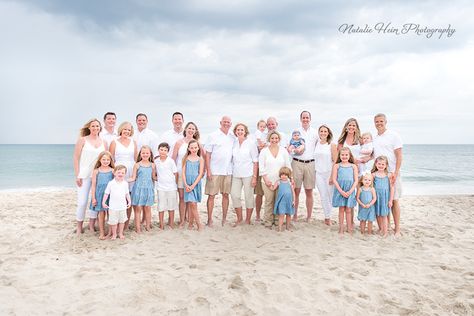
(87, 150)
(190, 132)
(271, 159)
(124, 152)
(325, 153)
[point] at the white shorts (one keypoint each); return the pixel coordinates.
(117, 217)
(167, 200)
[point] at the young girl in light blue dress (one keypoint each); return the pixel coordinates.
(384, 191)
(285, 198)
(193, 170)
(366, 198)
(102, 174)
(143, 191)
(344, 177)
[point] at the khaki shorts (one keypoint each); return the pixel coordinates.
(218, 184)
(117, 216)
(167, 200)
(303, 173)
(397, 189)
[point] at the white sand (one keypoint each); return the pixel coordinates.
(249, 270)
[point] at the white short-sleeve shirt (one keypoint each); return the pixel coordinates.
(107, 136)
(220, 146)
(243, 157)
(171, 137)
(385, 145)
(270, 166)
(166, 170)
(117, 192)
(310, 136)
(146, 137)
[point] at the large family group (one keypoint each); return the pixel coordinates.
(123, 168)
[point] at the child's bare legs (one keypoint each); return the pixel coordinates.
(147, 213)
(137, 210)
(352, 217)
(120, 230)
(258, 206)
(238, 212)
(182, 208)
(101, 217)
(79, 229)
(288, 222)
(349, 212)
(379, 223)
(384, 226)
(92, 224)
(161, 216)
(190, 215)
(369, 225)
(129, 214)
(193, 212)
(362, 227)
(113, 228)
(281, 217)
(341, 219)
(248, 216)
(171, 219)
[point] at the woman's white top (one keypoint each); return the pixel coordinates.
(89, 155)
(355, 149)
(322, 158)
(125, 155)
(183, 149)
(243, 157)
(270, 166)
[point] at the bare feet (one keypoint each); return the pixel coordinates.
(308, 219)
(122, 237)
(223, 222)
(200, 227)
(102, 237)
(236, 224)
(327, 221)
(209, 224)
(190, 227)
(113, 237)
(398, 234)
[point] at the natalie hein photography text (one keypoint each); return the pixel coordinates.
(407, 28)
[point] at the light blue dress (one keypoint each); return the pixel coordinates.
(192, 172)
(143, 191)
(284, 199)
(102, 180)
(366, 214)
(382, 189)
(345, 179)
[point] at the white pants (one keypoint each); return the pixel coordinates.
(236, 192)
(325, 191)
(83, 198)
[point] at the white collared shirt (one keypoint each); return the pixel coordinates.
(107, 136)
(220, 146)
(171, 137)
(165, 171)
(117, 192)
(385, 145)
(243, 157)
(146, 137)
(310, 136)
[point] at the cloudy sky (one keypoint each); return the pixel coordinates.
(63, 62)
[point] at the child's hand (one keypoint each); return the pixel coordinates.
(129, 204)
(345, 194)
(94, 202)
(330, 181)
(390, 204)
(105, 206)
(188, 188)
(79, 182)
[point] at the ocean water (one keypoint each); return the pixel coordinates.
(426, 169)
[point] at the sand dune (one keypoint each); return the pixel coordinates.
(248, 270)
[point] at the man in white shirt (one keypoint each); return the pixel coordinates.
(303, 164)
(388, 143)
(109, 133)
(144, 135)
(219, 167)
(176, 133)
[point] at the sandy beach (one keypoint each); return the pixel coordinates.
(248, 270)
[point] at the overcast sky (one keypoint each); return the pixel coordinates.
(64, 62)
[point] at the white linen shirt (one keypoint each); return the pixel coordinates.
(165, 170)
(146, 137)
(107, 136)
(270, 166)
(117, 192)
(310, 136)
(171, 137)
(385, 145)
(243, 157)
(220, 146)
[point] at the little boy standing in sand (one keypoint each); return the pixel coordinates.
(167, 178)
(119, 201)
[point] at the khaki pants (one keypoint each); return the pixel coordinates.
(269, 204)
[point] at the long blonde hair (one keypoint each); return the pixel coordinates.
(85, 131)
(384, 158)
(102, 154)
(192, 141)
(351, 157)
(343, 136)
